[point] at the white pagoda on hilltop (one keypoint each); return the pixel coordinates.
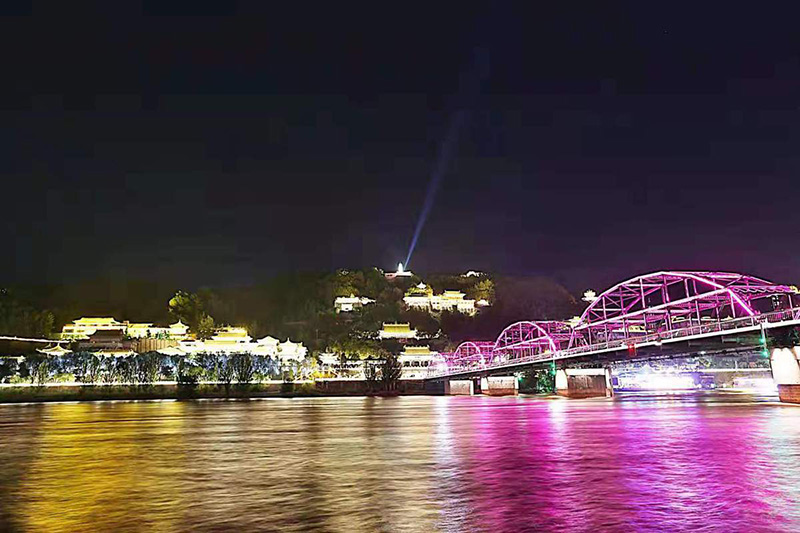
(399, 273)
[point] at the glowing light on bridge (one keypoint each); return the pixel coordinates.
(666, 301)
(649, 309)
(531, 339)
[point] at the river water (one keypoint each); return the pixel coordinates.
(643, 462)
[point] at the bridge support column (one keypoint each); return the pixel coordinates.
(584, 383)
(501, 386)
(786, 373)
(459, 387)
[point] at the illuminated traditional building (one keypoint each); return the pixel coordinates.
(56, 351)
(347, 304)
(232, 340)
(292, 351)
(332, 364)
(397, 331)
(422, 297)
(139, 331)
(83, 328)
(177, 331)
(225, 340)
(419, 297)
(416, 360)
(268, 344)
(108, 342)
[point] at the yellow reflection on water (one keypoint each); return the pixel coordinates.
(92, 470)
(399, 464)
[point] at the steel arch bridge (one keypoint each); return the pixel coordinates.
(530, 339)
(650, 309)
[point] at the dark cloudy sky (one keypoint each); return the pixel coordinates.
(600, 140)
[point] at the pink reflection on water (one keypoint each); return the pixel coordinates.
(657, 464)
(646, 462)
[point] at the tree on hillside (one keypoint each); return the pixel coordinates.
(190, 309)
(354, 348)
(422, 321)
(482, 290)
(215, 304)
(390, 295)
(19, 318)
(205, 327)
(459, 327)
(534, 298)
(187, 308)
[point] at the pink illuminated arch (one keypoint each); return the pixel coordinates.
(668, 300)
(471, 353)
(530, 339)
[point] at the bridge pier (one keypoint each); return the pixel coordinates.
(459, 387)
(786, 373)
(584, 383)
(501, 386)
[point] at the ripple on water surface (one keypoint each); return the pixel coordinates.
(636, 463)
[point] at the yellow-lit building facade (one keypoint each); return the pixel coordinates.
(396, 330)
(421, 297)
(233, 340)
(348, 304)
(416, 360)
(83, 328)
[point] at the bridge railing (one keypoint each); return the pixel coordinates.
(766, 319)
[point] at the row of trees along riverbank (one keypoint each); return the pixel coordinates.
(187, 371)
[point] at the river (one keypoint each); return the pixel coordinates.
(639, 462)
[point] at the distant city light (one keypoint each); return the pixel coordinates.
(657, 381)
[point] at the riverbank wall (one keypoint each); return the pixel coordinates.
(172, 391)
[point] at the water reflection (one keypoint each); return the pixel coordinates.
(643, 463)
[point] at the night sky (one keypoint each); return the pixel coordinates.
(596, 142)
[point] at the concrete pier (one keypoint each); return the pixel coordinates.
(501, 386)
(584, 383)
(785, 364)
(459, 387)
